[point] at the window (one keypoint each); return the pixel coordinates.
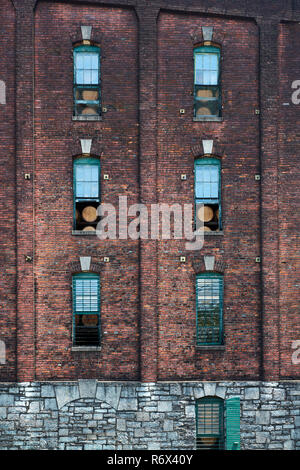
(209, 307)
(86, 309)
(86, 173)
(87, 81)
(208, 193)
(207, 90)
(210, 423)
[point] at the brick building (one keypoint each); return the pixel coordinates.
(141, 99)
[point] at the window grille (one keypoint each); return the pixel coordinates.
(210, 424)
(86, 309)
(209, 306)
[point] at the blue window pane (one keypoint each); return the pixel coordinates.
(87, 67)
(207, 182)
(87, 295)
(87, 80)
(206, 69)
(79, 61)
(95, 61)
(79, 76)
(87, 181)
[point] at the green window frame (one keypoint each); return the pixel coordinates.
(86, 309)
(87, 81)
(210, 424)
(207, 184)
(86, 193)
(207, 82)
(209, 309)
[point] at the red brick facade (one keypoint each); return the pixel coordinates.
(144, 144)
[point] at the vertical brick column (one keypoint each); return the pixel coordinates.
(24, 189)
(147, 174)
(269, 196)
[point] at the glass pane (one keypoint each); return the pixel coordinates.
(87, 61)
(87, 181)
(79, 60)
(95, 61)
(207, 181)
(94, 77)
(79, 76)
(206, 68)
(87, 65)
(87, 296)
(87, 79)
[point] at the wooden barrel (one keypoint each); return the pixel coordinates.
(205, 93)
(77, 215)
(89, 110)
(90, 95)
(89, 214)
(217, 213)
(89, 228)
(205, 213)
(90, 320)
(203, 112)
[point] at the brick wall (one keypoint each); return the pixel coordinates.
(236, 143)
(289, 147)
(145, 144)
(7, 192)
(57, 140)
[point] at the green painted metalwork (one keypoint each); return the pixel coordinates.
(233, 408)
(209, 308)
(87, 78)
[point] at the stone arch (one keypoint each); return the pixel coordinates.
(87, 423)
(87, 414)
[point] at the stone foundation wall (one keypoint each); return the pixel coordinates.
(110, 415)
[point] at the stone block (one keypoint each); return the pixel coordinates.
(87, 388)
(128, 404)
(6, 399)
(262, 417)
(66, 393)
(164, 406)
(251, 393)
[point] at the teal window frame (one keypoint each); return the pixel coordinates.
(79, 87)
(89, 307)
(214, 88)
(85, 161)
(207, 312)
(216, 201)
(206, 410)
